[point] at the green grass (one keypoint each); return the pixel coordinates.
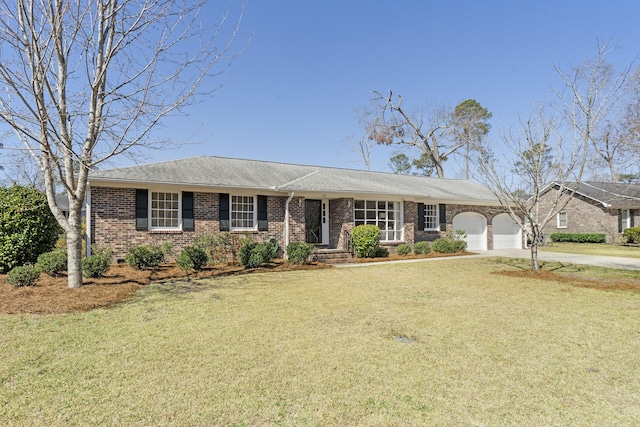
(593, 249)
(321, 348)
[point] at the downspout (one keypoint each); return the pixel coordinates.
(286, 224)
(87, 218)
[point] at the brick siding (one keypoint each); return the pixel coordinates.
(584, 216)
(113, 221)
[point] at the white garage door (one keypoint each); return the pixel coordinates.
(506, 233)
(475, 225)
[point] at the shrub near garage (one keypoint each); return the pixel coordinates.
(451, 243)
(422, 248)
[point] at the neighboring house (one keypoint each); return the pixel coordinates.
(596, 207)
(62, 201)
(175, 201)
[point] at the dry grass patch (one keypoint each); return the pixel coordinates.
(321, 348)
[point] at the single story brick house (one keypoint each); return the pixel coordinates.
(596, 207)
(175, 201)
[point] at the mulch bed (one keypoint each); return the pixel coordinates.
(580, 282)
(52, 296)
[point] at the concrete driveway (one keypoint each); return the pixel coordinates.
(600, 261)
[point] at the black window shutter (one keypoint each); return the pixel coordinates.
(142, 210)
(631, 220)
(421, 216)
(619, 221)
(262, 214)
(443, 217)
(187, 211)
(223, 210)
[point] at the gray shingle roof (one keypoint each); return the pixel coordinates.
(220, 172)
(614, 194)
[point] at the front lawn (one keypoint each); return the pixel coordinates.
(428, 343)
(593, 249)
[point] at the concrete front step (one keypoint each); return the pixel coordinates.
(334, 256)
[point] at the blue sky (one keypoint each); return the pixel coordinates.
(291, 95)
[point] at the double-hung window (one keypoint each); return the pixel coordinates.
(562, 219)
(165, 210)
(431, 217)
(385, 214)
(243, 212)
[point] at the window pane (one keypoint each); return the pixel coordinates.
(242, 212)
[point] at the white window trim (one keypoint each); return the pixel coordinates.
(400, 218)
(626, 218)
(255, 213)
(150, 209)
(437, 207)
(566, 219)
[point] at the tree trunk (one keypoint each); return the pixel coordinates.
(534, 255)
(74, 247)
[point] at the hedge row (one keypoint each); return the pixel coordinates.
(579, 237)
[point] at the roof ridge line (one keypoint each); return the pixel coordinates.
(297, 179)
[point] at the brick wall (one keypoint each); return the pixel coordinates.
(113, 221)
(340, 220)
(583, 216)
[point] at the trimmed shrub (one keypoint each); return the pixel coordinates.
(95, 266)
(381, 252)
(403, 249)
(631, 235)
(253, 255)
(146, 256)
(445, 245)
(53, 263)
(579, 237)
(221, 247)
(192, 258)
(27, 226)
(422, 248)
(299, 252)
(25, 275)
(365, 240)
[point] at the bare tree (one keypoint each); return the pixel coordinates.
(362, 147)
(436, 134)
(602, 102)
(428, 133)
(530, 160)
(86, 81)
